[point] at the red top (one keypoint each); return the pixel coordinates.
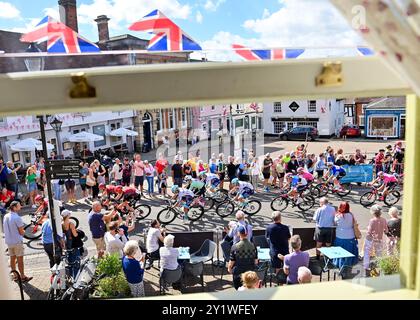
(110, 189)
(161, 164)
(129, 190)
(6, 197)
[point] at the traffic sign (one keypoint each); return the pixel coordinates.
(64, 169)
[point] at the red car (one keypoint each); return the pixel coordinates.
(350, 131)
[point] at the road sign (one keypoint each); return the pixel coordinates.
(64, 169)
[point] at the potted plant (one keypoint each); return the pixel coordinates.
(114, 283)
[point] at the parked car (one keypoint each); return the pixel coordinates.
(350, 131)
(300, 133)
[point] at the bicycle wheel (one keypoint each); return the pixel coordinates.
(195, 213)
(220, 195)
(142, 211)
(323, 189)
(253, 207)
(32, 231)
(54, 294)
(166, 216)
(307, 203)
(392, 198)
(345, 189)
(279, 204)
(314, 192)
(76, 221)
(225, 209)
(368, 199)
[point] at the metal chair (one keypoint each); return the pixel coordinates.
(261, 271)
(195, 270)
(260, 241)
(226, 255)
(316, 268)
(205, 253)
(168, 277)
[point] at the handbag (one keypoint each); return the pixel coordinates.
(357, 232)
(90, 182)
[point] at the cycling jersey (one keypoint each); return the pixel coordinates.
(245, 185)
(388, 178)
(308, 176)
(196, 184)
(212, 179)
(337, 170)
(184, 193)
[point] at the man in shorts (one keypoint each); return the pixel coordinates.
(97, 225)
(13, 236)
(324, 218)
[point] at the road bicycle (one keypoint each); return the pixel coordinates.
(61, 278)
(370, 197)
(328, 186)
(168, 214)
(304, 202)
(141, 210)
(229, 206)
(33, 230)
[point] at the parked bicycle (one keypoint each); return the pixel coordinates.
(61, 278)
(33, 230)
(304, 202)
(169, 214)
(229, 206)
(370, 197)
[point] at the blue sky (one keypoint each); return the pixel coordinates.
(215, 24)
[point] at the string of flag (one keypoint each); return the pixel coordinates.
(167, 37)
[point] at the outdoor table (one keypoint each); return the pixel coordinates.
(334, 253)
(263, 254)
(184, 253)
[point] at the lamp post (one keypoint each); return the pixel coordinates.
(34, 63)
(56, 125)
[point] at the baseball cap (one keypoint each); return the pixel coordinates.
(242, 230)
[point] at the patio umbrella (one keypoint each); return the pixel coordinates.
(85, 137)
(30, 144)
(122, 132)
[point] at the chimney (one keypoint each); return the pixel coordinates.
(103, 30)
(68, 13)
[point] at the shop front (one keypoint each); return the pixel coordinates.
(384, 123)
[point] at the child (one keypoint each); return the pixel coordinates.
(163, 183)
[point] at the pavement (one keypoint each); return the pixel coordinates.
(36, 261)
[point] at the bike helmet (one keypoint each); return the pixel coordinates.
(380, 173)
(235, 181)
(113, 183)
(288, 175)
(102, 186)
(118, 189)
(187, 178)
(330, 164)
(175, 188)
(39, 198)
(299, 170)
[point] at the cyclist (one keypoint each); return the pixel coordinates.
(388, 182)
(42, 208)
(107, 192)
(305, 174)
(244, 190)
(287, 183)
(299, 183)
(124, 195)
(212, 180)
(184, 198)
(198, 186)
(334, 174)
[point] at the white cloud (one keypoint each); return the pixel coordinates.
(303, 22)
(199, 17)
(212, 5)
(8, 11)
(53, 13)
(123, 12)
(29, 25)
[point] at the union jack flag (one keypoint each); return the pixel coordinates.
(60, 38)
(270, 54)
(168, 36)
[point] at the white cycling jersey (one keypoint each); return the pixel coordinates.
(243, 185)
(210, 177)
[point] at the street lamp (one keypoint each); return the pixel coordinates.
(34, 63)
(56, 125)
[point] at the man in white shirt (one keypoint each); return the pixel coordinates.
(117, 172)
(154, 235)
(115, 239)
(324, 218)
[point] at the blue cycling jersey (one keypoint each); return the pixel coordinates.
(337, 169)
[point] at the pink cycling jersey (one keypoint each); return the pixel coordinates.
(389, 178)
(308, 176)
